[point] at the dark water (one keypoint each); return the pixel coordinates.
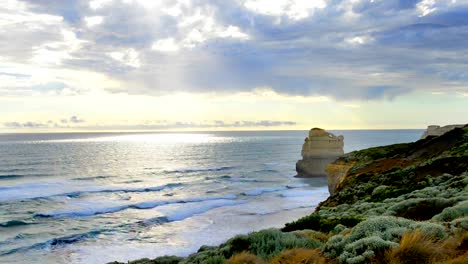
(97, 197)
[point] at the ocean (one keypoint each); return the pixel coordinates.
(100, 197)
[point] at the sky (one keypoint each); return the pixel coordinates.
(121, 65)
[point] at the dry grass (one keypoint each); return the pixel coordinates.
(462, 259)
(314, 235)
(299, 255)
(415, 247)
(245, 258)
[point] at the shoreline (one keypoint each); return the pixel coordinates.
(405, 191)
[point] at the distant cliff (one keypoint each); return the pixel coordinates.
(435, 130)
(320, 148)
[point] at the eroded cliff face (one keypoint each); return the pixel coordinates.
(336, 173)
(320, 149)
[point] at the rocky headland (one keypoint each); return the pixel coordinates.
(435, 130)
(320, 148)
(403, 203)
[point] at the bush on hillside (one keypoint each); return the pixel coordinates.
(319, 223)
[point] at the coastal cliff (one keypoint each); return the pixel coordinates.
(320, 148)
(435, 130)
(403, 203)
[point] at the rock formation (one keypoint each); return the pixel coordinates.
(320, 149)
(435, 130)
(447, 151)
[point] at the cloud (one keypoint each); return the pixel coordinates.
(346, 49)
(25, 125)
(165, 125)
(92, 21)
(73, 122)
(76, 120)
(62, 123)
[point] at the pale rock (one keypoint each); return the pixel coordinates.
(320, 149)
(435, 130)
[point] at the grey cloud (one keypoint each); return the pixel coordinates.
(154, 125)
(62, 123)
(16, 75)
(25, 125)
(76, 120)
(387, 50)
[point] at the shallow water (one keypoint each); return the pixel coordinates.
(98, 197)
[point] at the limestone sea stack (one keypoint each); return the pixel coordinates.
(320, 149)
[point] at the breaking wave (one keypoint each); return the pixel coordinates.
(113, 209)
(191, 170)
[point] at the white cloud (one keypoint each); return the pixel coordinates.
(359, 40)
(129, 57)
(93, 20)
(176, 9)
(193, 38)
(97, 4)
(165, 45)
(53, 53)
(202, 26)
(233, 32)
(426, 7)
(18, 15)
(293, 9)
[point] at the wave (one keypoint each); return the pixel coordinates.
(54, 242)
(16, 176)
(271, 163)
(114, 209)
(301, 193)
(260, 191)
(266, 171)
(194, 209)
(197, 206)
(91, 178)
(299, 185)
(36, 190)
(12, 223)
(202, 208)
(11, 176)
(243, 179)
(191, 170)
(124, 190)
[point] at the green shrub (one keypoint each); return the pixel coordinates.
(459, 224)
(366, 239)
(322, 224)
(420, 208)
(430, 230)
(360, 251)
(448, 214)
(159, 260)
(270, 242)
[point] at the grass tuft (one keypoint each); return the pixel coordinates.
(245, 258)
(299, 255)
